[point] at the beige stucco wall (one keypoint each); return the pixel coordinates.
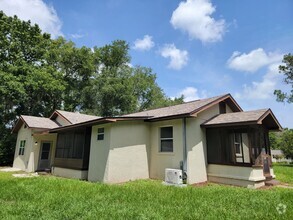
(128, 155)
(196, 146)
(99, 152)
(70, 173)
(35, 155)
(29, 161)
(122, 155)
(22, 161)
(237, 175)
(159, 161)
(62, 121)
(228, 109)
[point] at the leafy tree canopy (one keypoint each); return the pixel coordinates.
(39, 74)
(283, 141)
(287, 70)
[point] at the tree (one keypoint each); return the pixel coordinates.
(274, 138)
(286, 143)
(39, 74)
(283, 141)
(29, 85)
(119, 88)
(287, 70)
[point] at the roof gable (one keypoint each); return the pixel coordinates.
(187, 108)
(262, 116)
(34, 122)
(73, 117)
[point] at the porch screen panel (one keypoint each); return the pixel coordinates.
(226, 146)
(60, 145)
(70, 144)
(78, 145)
(213, 145)
(68, 149)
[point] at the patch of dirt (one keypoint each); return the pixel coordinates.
(202, 184)
(9, 169)
(25, 175)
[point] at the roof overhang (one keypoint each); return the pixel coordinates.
(20, 122)
(56, 113)
(18, 125)
(93, 122)
(267, 119)
(228, 99)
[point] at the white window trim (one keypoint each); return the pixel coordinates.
(21, 147)
(160, 140)
(101, 133)
(240, 143)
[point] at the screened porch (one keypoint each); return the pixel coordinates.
(240, 138)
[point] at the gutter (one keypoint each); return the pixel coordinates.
(184, 164)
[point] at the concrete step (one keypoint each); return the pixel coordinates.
(272, 182)
(268, 177)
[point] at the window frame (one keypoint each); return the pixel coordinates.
(164, 139)
(21, 147)
(239, 143)
(101, 133)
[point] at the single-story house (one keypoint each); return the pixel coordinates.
(210, 139)
(278, 156)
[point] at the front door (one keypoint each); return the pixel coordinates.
(45, 155)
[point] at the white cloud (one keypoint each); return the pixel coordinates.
(194, 17)
(178, 58)
(77, 36)
(263, 89)
(35, 10)
(144, 44)
(191, 93)
(252, 61)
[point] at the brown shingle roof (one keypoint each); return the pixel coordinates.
(39, 122)
(34, 122)
(237, 117)
(181, 109)
(76, 117)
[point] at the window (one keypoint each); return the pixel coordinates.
(101, 132)
(21, 147)
(166, 139)
(237, 143)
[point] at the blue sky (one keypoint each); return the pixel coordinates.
(199, 48)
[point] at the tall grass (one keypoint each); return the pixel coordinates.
(284, 172)
(48, 197)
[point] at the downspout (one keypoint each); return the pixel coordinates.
(184, 165)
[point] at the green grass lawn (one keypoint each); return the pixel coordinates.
(48, 197)
(284, 172)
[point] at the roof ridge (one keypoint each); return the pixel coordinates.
(262, 109)
(58, 110)
(219, 96)
(34, 116)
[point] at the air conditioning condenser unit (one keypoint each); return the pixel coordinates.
(173, 176)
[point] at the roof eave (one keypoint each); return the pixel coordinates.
(57, 113)
(270, 112)
(94, 122)
(229, 124)
(220, 99)
(18, 125)
(170, 117)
